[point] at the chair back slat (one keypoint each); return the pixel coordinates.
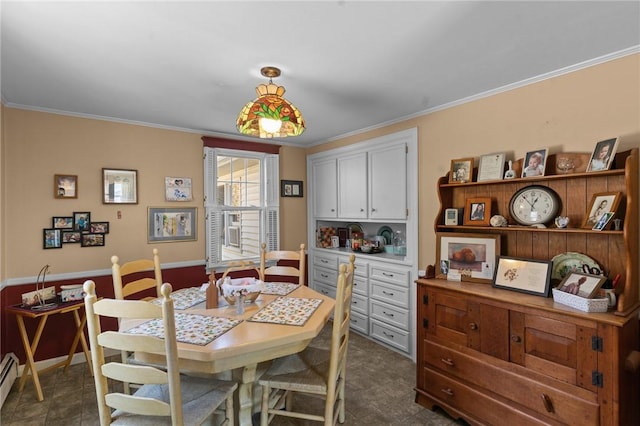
(136, 309)
(137, 405)
(131, 342)
(126, 372)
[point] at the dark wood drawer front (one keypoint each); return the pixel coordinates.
(488, 329)
(467, 400)
(561, 404)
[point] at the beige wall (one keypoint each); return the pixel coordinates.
(566, 113)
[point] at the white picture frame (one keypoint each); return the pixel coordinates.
(534, 163)
(178, 189)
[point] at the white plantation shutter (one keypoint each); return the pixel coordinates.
(259, 218)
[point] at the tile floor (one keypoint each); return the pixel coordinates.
(379, 392)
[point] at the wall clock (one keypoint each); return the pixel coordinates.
(534, 205)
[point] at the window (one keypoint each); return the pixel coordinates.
(241, 204)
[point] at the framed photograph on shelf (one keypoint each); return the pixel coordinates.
(62, 222)
(81, 221)
(178, 189)
(92, 240)
(601, 203)
(461, 170)
(119, 186)
(603, 221)
(51, 238)
(603, 155)
(99, 227)
(71, 237)
(534, 163)
(291, 188)
(65, 186)
(523, 275)
(477, 211)
(491, 167)
(583, 285)
(170, 224)
(472, 256)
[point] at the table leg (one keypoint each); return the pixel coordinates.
(79, 337)
(30, 349)
(243, 400)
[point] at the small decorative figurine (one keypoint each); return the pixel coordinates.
(510, 174)
(498, 221)
(562, 221)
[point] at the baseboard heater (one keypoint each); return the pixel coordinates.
(9, 375)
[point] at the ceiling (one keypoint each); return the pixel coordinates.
(347, 65)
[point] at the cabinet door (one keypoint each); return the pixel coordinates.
(352, 187)
(388, 183)
(325, 189)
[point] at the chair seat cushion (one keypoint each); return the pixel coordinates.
(200, 398)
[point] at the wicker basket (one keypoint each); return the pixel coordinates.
(235, 284)
(580, 303)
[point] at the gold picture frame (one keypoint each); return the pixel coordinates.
(461, 170)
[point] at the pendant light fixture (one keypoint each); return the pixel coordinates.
(270, 115)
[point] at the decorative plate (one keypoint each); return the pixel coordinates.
(387, 233)
(573, 262)
(355, 227)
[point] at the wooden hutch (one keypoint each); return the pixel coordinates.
(493, 356)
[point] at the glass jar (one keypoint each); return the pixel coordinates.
(399, 244)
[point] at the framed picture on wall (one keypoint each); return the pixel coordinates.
(291, 188)
(178, 189)
(65, 186)
(51, 238)
(166, 224)
(119, 186)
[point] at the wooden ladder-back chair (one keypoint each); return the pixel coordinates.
(124, 288)
(166, 397)
(286, 271)
(306, 373)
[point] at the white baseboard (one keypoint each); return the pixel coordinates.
(78, 358)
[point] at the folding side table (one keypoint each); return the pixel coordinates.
(30, 348)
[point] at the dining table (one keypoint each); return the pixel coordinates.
(272, 326)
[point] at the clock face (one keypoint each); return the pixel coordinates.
(534, 205)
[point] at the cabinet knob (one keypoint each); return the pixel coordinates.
(516, 339)
(548, 405)
(333, 210)
(373, 210)
(361, 210)
(473, 326)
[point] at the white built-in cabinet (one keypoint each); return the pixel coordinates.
(373, 183)
(325, 195)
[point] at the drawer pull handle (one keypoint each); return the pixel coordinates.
(387, 314)
(388, 275)
(324, 275)
(324, 261)
(388, 294)
(548, 405)
(473, 326)
(515, 338)
(447, 361)
(447, 391)
(388, 335)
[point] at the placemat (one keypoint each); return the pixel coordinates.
(190, 328)
(185, 298)
(279, 289)
(287, 310)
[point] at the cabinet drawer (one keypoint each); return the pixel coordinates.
(325, 290)
(325, 260)
(390, 275)
(390, 335)
(391, 315)
(561, 403)
(473, 403)
(361, 264)
(360, 286)
(359, 322)
(325, 276)
(391, 294)
(359, 304)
